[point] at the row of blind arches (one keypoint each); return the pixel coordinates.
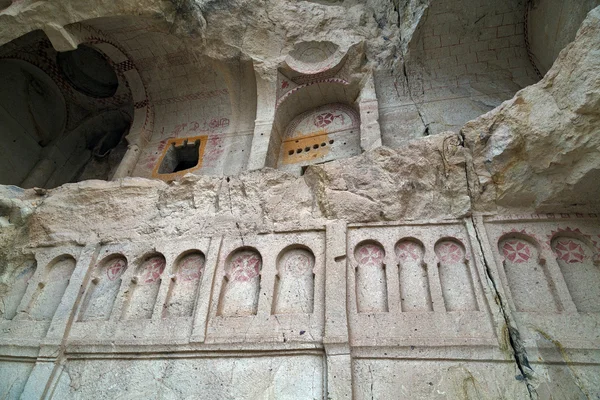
(294, 286)
(371, 276)
(294, 291)
(526, 272)
(529, 277)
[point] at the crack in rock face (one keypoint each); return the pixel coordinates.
(328, 199)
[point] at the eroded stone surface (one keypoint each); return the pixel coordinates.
(374, 276)
(539, 150)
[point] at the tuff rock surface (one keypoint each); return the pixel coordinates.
(539, 150)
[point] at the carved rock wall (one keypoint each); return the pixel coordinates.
(458, 265)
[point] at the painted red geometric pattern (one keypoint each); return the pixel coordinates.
(409, 251)
(115, 268)
(153, 269)
(516, 251)
(245, 267)
(569, 251)
(370, 255)
(191, 267)
(449, 252)
(324, 119)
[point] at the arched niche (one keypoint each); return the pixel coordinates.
(103, 288)
(67, 116)
(322, 134)
(51, 288)
(455, 276)
(144, 287)
(15, 288)
(580, 269)
(295, 281)
(312, 114)
(241, 283)
(184, 285)
(527, 274)
(371, 279)
(415, 294)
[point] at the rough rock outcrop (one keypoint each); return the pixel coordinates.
(541, 149)
(425, 179)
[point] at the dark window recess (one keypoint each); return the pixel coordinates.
(180, 158)
(88, 71)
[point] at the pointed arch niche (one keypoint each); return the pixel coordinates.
(103, 288)
(580, 269)
(527, 274)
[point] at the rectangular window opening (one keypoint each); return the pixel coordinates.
(180, 158)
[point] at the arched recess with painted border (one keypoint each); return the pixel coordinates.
(144, 287)
(527, 275)
(370, 277)
(241, 283)
(580, 267)
(333, 103)
(184, 284)
(415, 293)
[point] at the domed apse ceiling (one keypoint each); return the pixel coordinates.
(63, 116)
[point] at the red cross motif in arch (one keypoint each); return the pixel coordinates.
(569, 251)
(516, 251)
(297, 264)
(450, 252)
(409, 251)
(191, 268)
(115, 268)
(245, 267)
(153, 270)
(370, 255)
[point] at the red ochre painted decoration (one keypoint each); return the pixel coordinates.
(370, 255)
(191, 267)
(115, 268)
(326, 118)
(569, 251)
(245, 267)
(449, 252)
(516, 251)
(153, 270)
(408, 251)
